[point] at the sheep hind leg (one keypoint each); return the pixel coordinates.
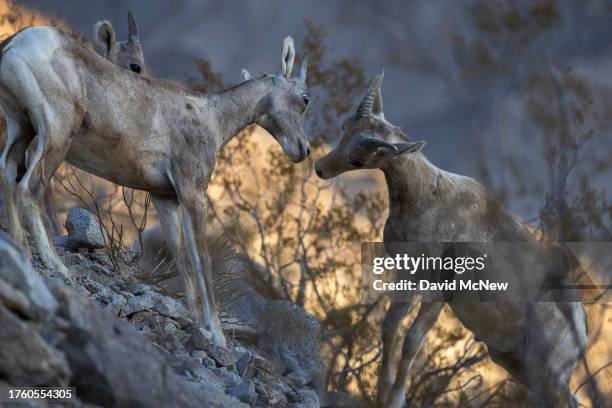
(194, 225)
(51, 149)
(170, 217)
(12, 160)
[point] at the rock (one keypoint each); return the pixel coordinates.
(30, 361)
(112, 364)
(199, 354)
(115, 304)
(84, 231)
(208, 362)
(157, 302)
(240, 331)
(229, 378)
(300, 378)
(201, 339)
(308, 398)
(287, 336)
(21, 288)
(242, 363)
(161, 330)
(245, 392)
(273, 395)
(139, 288)
(222, 356)
(252, 365)
(157, 356)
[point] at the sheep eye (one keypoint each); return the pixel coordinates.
(135, 68)
(305, 98)
(357, 163)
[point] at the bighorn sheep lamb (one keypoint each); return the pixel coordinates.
(135, 131)
(126, 54)
(427, 204)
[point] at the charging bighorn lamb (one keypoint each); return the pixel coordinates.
(135, 131)
(538, 343)
(126, 54)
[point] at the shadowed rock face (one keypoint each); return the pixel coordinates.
(76, 342)
(112, 364)
(21, 288)
(155, 355)
(286, 335)
(31, 360)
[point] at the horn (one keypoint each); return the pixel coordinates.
(132, 27)
(377, 107)
(304, 69)
(365, 107)
(373, 143)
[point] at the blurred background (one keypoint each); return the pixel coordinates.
(516, 94)
(458, 74)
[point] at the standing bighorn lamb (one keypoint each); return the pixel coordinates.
(126, 54)
(135, 131)
(538, 343)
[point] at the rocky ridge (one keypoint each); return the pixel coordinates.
(124, 343)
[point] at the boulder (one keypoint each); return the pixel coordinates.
(84, 231)
(221, 355)
(25, 357)
(287, 336)
(164, 305)
(21, 288)
(308, 399)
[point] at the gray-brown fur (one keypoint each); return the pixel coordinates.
(126, 54)
(538, 343)
(135, 131)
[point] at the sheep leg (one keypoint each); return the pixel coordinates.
(171, 220)
(426, 318)
(19, 136)
(51, 149)
(390, 336)
(194, 224)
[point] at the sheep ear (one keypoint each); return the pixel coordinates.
(246, 75)
(288, 57)
(104, 36)
(372, 144)
(409, 147)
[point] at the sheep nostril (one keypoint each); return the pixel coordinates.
(307, 150)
